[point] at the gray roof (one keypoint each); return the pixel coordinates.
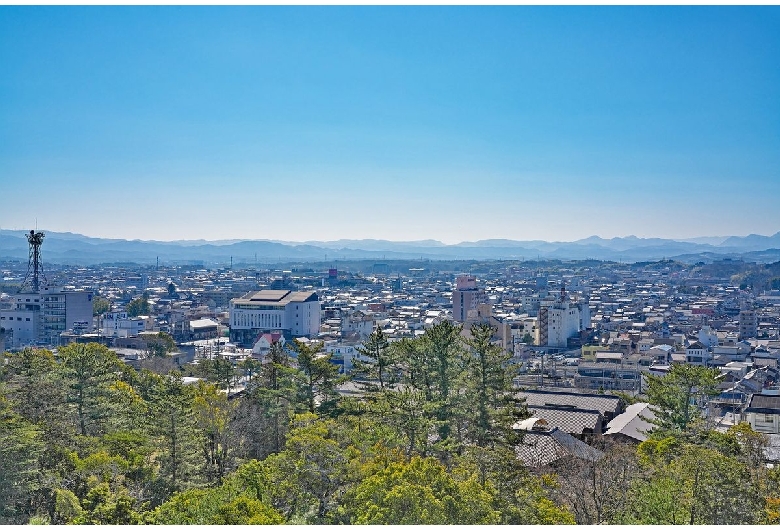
(540, 448)
(572, 421)
(600, 402)
(275, 297)
(632, 422)
(764, 402)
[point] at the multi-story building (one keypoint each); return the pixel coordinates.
(22, 321)
(118, 324)
(42, 317)
(561, 320)
(294, 313)
(63, 310)
(748, 324)
(466, 297)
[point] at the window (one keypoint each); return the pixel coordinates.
(769, 417)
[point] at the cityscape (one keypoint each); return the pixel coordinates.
(389, 265)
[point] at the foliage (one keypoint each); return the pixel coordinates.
(160, 344)
(320, 376)
(100, 306)
(676, 397)
(419, 491)
(138, 306)
(378, 369)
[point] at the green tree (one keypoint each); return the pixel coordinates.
(490, 403)
(138, 306)
(160, 345)
(264, 409)
(320, 376)
(214, 506)
(89, 370)
(172, 423)
(100, 306)
(305, 480)
(677, 396)
(518, 496)
(443, 363)
(213, 413)
(684, 483)
(381, 359)
(418, 491)
(20, 446)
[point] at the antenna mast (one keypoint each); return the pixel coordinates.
(34, 263)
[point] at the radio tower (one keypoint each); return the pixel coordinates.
(34, 264)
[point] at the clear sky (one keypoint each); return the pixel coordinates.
(400, 123)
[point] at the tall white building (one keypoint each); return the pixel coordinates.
(561, 320)
(40, 318)
(466, 297)
(295, 313)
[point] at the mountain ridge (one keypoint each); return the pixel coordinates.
(72, 248)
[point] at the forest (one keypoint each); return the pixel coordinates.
(423, 436)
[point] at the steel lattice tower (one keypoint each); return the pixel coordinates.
(34, 263)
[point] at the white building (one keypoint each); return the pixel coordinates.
(708, 337)
(42, 317)
(119, 324)
(562, 319)
(295, 313)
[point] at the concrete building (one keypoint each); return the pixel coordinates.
(294, 313)
(22, 321)
(118, 324)
(466, 297)
(561, 320)
(748, 324)
(63, 310)
(42, 317)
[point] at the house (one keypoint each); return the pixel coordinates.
(574, 421)
(543, 445)
(763, 412)
(607, 406)
(697, 354)
(264, 342)
(633, 424)
(204, 328)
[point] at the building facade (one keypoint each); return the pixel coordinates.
(466, 297)
(294, 313)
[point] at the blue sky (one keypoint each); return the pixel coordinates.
(400, 123)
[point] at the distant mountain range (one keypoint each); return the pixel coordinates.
(69, 248)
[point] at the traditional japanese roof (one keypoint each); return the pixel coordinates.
(633, 422)
(540, 448)
(764, 403)
(570, 420)
(605, 404)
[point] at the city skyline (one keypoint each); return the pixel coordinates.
(395, 123)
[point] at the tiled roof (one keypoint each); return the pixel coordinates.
(632, 422)
(764, 401)
(572, 421)
(600, 402)
(540, 448)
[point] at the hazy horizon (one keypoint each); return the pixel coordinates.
(420, 240)
(398, 123)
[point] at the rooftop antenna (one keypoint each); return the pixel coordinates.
(34, 263)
